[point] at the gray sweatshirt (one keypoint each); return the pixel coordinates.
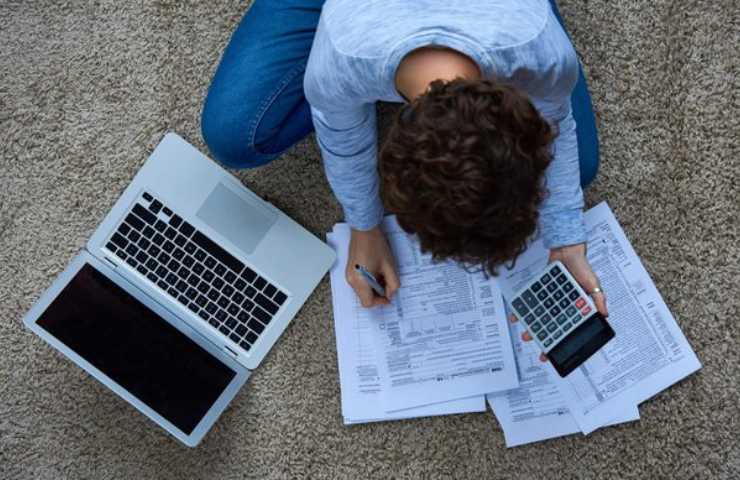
(355, 54)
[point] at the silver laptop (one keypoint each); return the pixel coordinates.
(182, 290)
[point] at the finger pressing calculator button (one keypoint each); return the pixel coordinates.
(580, 303)
(539, 311)
(545, 278)
(529, 319)
(542, 335)
(519, 306)
(530, 299)
(536, 327)
(561, 279)
(551, 327)
(573, 295)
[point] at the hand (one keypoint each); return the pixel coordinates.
(370, 249)
(574, 259)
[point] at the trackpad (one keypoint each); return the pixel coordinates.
(239, 220)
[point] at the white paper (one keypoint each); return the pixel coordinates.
(536, 410)
(649, 352)
(444, 337)
(361, 390)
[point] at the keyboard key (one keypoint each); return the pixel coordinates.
(198, 268)
(567, 326)
(154, 251)
(175, 221)
(237, 297)
(545, 319)
(223, 330)
(554, 270)
(144, 243)
(211, 308)
(242, 317)
(144, 214)
(564, 303)
(549, 303)
(247, 305)
(547, 342)
(558, 295)
(536, 287)
(190, 248)
(167, 211)
(221, 315)
(203, 287)
(241, 330)
(585, 310)
(542, 335)
(561, 319)
(567, 287)
(536, 327)
(170, 233)
(123, 229)
(231, 323)
(180, 241)
(121, 254)
(220, 270)
(168, 246)
(134, 222)
(147, 197)
(186, 229)
(551, 327)
(230, 277)
(280, 298)
(251, 337)
(529, 319)
(250, 292)
(228, 290)
(223, 302)
(208, 276)
(155, 206)
(260, 283)
(571, 311)
(183, 299)
(561, 279)
(518, 305)
(200, 255)
(256, 326)
(192, 293)
(202, 314)
(542, 295)
(188, 261)
(210, 262)
(217, 252)
(193, 279)
(213, 294)
(151, 264)
(160, 226)
(163, 258)
(529, 299)
(142, 257)
(554, 310)
(174, 265)
(119, 241)
(233, 309)
(235, 338)
(201, 301)
(158, 239)
(178, 253)
(141, 269)
(148, 232)
(132, 249)
(214, 322)
(172, 291)
(152, 278)
(181, 286)
(552, 287)
(134, 236)
(557, 334)
(218, 283)
(249, 275)
(544, 279)
(573, 295)
(246, 346)
(171, 278)
(580, 303)
(539, 310)
(263, 316)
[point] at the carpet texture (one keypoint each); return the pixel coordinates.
(87, 90)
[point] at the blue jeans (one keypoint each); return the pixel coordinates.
(255, 108)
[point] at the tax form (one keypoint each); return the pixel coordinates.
(536, 410)
(444, 337)
(361, 389)
(649, 352)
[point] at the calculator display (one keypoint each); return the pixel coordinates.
(577, 347)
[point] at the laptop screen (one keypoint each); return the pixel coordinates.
(136, 348)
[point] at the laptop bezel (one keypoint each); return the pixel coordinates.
(84, 257)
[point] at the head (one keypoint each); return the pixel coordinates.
(463, 168)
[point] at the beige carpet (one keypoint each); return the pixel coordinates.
(88, 88)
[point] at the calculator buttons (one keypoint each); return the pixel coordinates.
(547, 342)
(558, 295)
(545, 319)
(542, 295)
(519, 306)
(557, 334)
(564, 303)
(561, 319)
(536, 287)
(530, 299)
(542, 335)
(567, 287)
(549, 303)
(552, 287)
(536, 327)
(571, 311)
(561, 279)
(585, 311)
(551, 327)
(545, 278)
(529, 319)
(580, 303)
(555, 270)
(567, 326)
(554, 310)
(573, 295)
(539, 311)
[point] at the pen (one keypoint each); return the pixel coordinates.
(370, 279)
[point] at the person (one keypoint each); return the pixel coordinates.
(494, 143)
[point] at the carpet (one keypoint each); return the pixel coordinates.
(88, 89)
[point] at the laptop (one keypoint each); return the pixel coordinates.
(181, 291)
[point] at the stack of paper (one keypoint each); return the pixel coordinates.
(444, 341)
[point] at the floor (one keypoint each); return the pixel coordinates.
(87, 90)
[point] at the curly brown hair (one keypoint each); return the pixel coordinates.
(463, 168)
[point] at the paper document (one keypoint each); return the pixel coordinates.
(361, 390)
(443, 338)
(536, 410)
(649, 352)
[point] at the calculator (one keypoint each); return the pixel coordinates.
(561, 318)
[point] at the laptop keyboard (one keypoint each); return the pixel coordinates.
(192, 269)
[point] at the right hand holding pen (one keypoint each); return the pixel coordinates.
(370, 249)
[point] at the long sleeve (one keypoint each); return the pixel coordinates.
(561, 213)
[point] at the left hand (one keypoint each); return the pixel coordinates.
(574, 259)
